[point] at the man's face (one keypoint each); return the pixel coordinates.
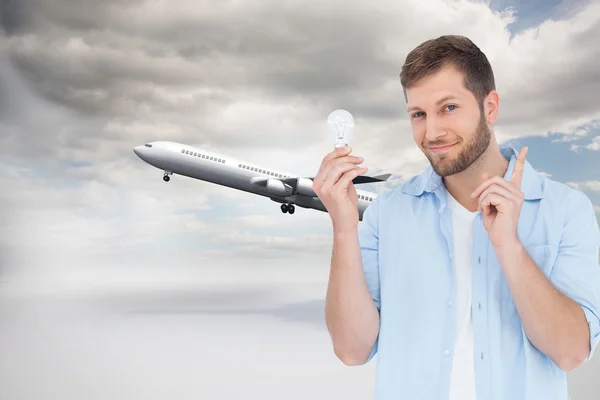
(447, 123)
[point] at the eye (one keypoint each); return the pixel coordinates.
(415, 114)
(451, 105)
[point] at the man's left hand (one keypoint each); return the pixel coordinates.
(500, 203)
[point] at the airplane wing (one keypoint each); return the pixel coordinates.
(358, 180)
(303, 185)
(292, 181)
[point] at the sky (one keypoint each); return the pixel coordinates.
(91, 235)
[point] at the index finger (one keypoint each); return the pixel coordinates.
(517, 175)
(339, 152)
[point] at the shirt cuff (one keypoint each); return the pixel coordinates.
(594, 325)
(373, 350)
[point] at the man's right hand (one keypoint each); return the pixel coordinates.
(333, 184)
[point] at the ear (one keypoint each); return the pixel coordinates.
(491, 104)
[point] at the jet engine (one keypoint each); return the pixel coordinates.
(278, 188)
(304, 187)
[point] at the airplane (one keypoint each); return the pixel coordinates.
(280, 186)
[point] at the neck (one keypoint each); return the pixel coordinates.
(461, 185)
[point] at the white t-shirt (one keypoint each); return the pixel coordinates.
(462, 381)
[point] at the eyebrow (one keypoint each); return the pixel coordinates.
(437, 103)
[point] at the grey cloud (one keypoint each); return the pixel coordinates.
(13, 15)
(122, 59)
(128, 61)
(278, 49)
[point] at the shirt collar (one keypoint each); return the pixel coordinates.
(429, 181)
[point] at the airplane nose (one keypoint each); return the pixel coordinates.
(138, 151)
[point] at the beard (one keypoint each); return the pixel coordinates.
(445, 165)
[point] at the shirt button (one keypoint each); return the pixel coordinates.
(446, 352)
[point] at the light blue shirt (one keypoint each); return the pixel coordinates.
(406, 245)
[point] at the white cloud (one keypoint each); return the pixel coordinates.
(593, 186)
(595, 145)
(577, 134)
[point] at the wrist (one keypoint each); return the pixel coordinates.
(509, 251)
(345, 232)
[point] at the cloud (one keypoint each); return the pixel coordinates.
(592, 186)
(259, 58)
(90, 80)
(84, 220)
(575, 148)
(577, 134)
(595, 145)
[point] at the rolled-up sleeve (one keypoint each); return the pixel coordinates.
(576, 272)
(368, 236)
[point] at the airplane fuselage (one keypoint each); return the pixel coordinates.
(280, 186)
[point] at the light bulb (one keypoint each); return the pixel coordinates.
(341, 125)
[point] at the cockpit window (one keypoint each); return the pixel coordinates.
(148, 145)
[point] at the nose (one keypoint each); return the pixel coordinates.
(138, 151)
(434, 130)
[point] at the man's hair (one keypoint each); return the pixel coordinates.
(450, 50)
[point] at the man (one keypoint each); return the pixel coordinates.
(477, 278)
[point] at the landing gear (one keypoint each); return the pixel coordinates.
(166, 176)
(288, 208)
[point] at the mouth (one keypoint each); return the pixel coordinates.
(442, 148)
